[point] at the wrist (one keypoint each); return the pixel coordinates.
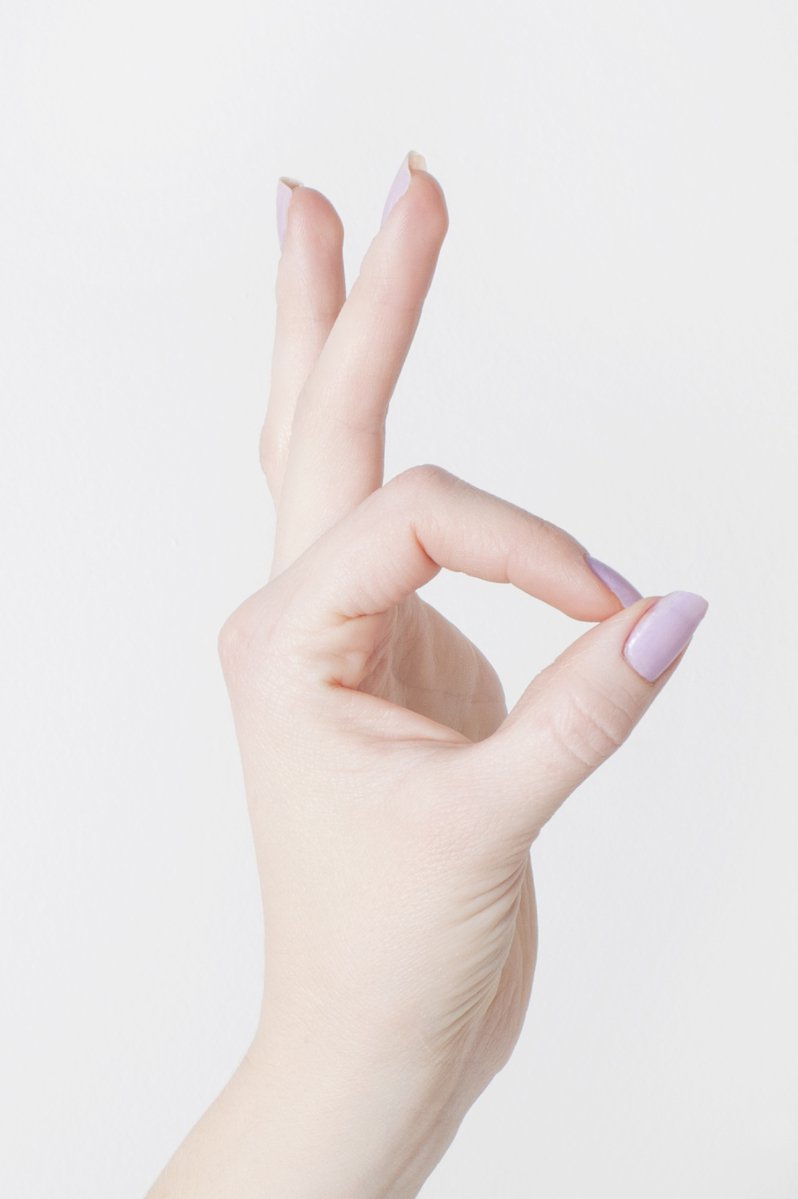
(339, 1119)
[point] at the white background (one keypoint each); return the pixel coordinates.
(609, 341)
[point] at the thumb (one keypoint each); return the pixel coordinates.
(580, 709)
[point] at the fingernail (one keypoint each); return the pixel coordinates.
(618, 585)
(662, 632)
(285, 189)
(411, 161)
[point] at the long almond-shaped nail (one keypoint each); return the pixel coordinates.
(411, 161)
(618, 585)
(662, 632)
(285, 189)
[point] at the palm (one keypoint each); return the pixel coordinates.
(429, 666)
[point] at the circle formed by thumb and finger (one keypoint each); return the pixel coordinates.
(424, 519)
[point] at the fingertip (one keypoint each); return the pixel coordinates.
(623, 591)
(583, 593)
(416, 197)
(305, 216)
(427, 203)
(663, 632)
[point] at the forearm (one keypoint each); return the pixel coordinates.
(297, 1121)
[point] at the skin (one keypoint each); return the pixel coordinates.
(392, 796)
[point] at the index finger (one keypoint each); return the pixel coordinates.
(425, 519)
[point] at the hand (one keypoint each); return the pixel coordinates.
(393, 799)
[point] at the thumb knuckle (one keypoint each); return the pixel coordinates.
(592, 722)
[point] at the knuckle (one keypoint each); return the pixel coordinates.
(257, 645)
(241, 635)
(269, 456)
(232, 642)
(423, 477)
(592, 723)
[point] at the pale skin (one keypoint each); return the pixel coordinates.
(393, 798)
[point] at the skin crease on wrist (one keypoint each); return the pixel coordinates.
(393, 798)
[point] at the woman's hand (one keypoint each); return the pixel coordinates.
(393, 799)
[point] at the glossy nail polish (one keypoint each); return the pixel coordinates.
(662, 633)
(285, 189)
(412, 161)
(618, 585)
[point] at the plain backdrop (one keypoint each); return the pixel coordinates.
(609, 342)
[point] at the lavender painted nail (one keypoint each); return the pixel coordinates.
(617, 584)
(285, 189)
(411, 160)
(662, 633)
